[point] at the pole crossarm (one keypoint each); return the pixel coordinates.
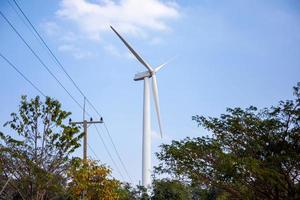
(85, 128)
(87, 122)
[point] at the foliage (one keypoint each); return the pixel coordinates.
(37, 157)
(170, 189)
(142, 193)
(253, 154)
(204, 193)
(92, 181)
(127, 192)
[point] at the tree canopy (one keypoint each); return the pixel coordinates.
(90, 180)
(37, 156)
(252, 154)
(36, 160)
(171, 190)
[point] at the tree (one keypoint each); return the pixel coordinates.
(92, 181)
(252, 154)
(171, 190)
(127, 192)
(36, 158)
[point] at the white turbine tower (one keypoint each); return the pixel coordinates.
(150, 73)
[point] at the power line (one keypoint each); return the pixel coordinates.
(49, 50)
(70, 78)
(39, 59)
(74, 83)
(22, 19)
(51, 53)
(49, 71)
(110, 156)
(89, 146)
(17, 70)
(33, 85)
(122, 163)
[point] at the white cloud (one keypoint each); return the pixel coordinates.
(79, 20)
(69, 37)
(129, 16)
(52, 29)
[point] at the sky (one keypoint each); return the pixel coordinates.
(226, 54)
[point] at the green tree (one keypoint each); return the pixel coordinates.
(142, 193)
(252, 154)
(127, 192)
(36, 158)
(171, 190)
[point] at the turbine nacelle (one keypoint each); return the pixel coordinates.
(140, 76)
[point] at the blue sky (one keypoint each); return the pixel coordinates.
(228, 54)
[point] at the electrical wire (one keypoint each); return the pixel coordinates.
(106, 149)
(92, 150)
(49, 50)
(17, 70)
(23, 21)
(39, 59)
(33, 85)
(122, 163)
(74, 83)
(38, 35)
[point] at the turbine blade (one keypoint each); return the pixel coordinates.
(133, 51)
(156, 101)
(162, 65)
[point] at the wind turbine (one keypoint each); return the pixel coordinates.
(150, 73)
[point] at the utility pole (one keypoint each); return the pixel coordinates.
(85, 124)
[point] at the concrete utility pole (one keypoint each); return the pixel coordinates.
(85, 127)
